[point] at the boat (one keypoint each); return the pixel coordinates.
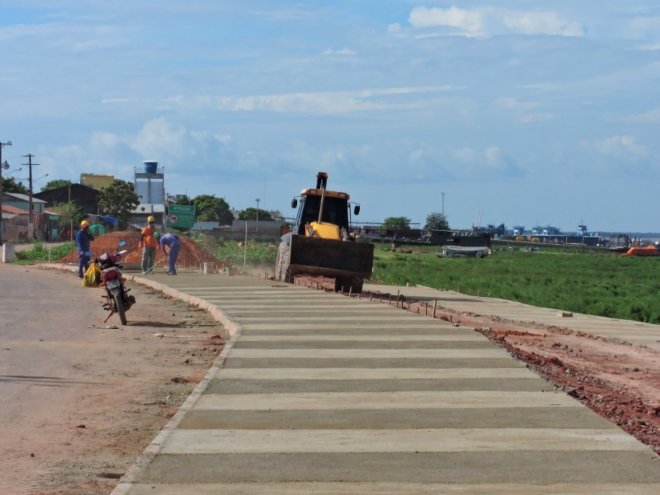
(643, 251)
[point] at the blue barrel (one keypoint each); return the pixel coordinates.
(150, 167)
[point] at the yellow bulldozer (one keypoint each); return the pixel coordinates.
(321, 243)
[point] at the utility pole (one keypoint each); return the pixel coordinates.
(3, 165)
(257, 200)
(30, 211)
(71, 221)
(443, 204)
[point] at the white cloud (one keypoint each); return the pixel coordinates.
(524, 110)
(624, 145)
(115, 101)
(104, 140)
(470, 23)
(341, 52)
(329, 102)
(490, 162)
(224, 139)
(395, 28)
(64, 37)
(159, 138)
(650, 117)
(545, 23)
(651, 47)
(488, 22)
(643, 28)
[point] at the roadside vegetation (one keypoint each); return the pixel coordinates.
(254, 254)
(40, 253)
(597, 284)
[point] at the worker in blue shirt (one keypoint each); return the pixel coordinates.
(84, 240)
(173, 243)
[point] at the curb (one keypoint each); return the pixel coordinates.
(233, 329)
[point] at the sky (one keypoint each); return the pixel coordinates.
(508, 111)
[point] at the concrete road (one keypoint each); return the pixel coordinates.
(321, 394)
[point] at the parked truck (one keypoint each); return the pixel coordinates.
(321, 243)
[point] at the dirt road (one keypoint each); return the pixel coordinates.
(82, 398)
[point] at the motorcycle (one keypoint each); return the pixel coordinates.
(117, 299)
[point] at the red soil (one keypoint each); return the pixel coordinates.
(190, 255)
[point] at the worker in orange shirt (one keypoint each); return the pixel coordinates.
(149, 245)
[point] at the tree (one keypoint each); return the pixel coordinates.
(436, 221)
(396, 223)
(54, 184)
(180, 199)
(70, 214)
(212, 209)
(118, 200)
(251, 214)
(11, 185)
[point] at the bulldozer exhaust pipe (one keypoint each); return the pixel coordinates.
(321, 180)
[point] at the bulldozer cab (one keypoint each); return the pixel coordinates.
(335, 211)
(322, 206)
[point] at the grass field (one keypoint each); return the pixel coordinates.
(599, 284)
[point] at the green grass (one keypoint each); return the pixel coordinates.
(598, 284)
(39, 253)
(256, 254)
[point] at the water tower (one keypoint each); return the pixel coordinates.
(150, 189)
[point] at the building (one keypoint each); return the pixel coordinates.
(16, 218)
(85, 197)
(96, 181)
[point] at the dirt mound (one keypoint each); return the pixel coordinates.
(190, 256)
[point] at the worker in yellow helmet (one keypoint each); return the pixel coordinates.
(84, 241)
(148, 244)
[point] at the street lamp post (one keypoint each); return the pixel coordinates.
(257, 200)
(4, 165)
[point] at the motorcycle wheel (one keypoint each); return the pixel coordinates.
(119, 302)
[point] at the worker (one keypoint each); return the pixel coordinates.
(84, 240)
(173, 243)
(148, 244)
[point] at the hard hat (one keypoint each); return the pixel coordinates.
(151, 219)
(84, 224)
(157, 235)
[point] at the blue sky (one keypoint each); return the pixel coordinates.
(521, 112)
